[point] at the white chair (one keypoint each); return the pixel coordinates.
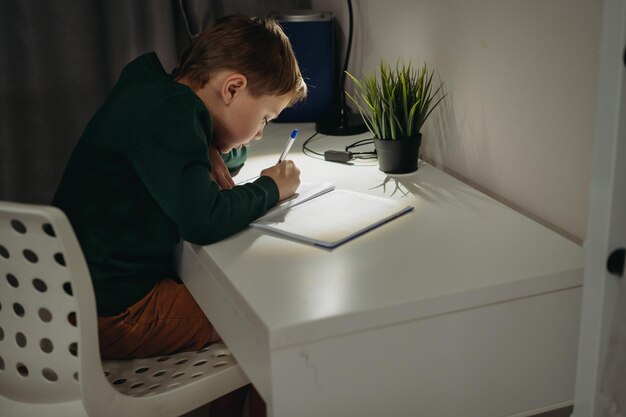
(49, 357)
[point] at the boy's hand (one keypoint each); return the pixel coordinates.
(286, 175)
(219, 170)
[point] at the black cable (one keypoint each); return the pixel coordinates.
(342, 81)
(307, 151)
(339, 156)
(363, 154)
(361, 142)
(341, 121)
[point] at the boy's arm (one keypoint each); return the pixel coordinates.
(224, 166)
(220, 172)
(172, 161)
(235, 159)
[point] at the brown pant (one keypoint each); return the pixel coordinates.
(165, 321)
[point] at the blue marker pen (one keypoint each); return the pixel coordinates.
(290, 141)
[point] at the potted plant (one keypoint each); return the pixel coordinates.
(394, 104)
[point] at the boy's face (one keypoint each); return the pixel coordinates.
(244, 118)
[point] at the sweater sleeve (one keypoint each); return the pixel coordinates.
(235, 159)
(171, 159)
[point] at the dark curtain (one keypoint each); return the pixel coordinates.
(59, 59)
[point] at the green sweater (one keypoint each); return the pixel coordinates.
(138, 181)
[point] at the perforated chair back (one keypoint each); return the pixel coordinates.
(38, 316)
(49, 355)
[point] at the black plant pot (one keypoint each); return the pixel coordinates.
(398, 156)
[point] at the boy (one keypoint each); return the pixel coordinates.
(154, 165)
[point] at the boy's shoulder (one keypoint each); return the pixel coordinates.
(145, 79)
(147, 73)
(144, 65)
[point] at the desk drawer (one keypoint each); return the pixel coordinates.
(514, 359)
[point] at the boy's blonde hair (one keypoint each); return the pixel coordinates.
(256, 47)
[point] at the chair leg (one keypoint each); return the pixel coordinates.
(231, 404)
(256, 404)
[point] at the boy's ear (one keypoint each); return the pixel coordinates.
(233, 85)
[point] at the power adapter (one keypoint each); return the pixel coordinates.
(338, 156)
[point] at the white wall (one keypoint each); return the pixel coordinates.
(521, 82)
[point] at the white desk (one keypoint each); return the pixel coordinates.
(462, 307)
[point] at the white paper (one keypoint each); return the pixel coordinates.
(333, 218)
(306, 191)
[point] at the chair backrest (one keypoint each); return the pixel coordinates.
(39, 335)
(49, 333)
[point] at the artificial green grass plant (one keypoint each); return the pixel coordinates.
(395, 103)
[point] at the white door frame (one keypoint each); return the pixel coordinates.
(607, 223)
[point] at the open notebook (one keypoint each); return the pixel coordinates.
(327, 217)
